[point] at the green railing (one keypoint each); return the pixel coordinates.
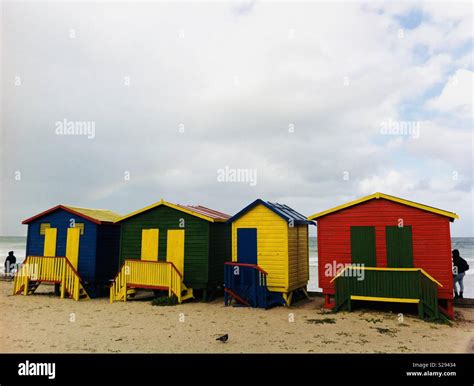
(403, 285)
(429, 296)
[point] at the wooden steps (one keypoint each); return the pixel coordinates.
(247, 284)
(394, 285)
(152, 275)
(186, 293)
(232, 294)
(49, 269)
(32, 286)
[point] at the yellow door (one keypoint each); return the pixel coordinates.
(72, 246)
(175, 249)
(50, 241)
(150, 244)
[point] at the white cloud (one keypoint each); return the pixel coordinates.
(456, 97)
(393, 182)
(444, 144)
(236, 80)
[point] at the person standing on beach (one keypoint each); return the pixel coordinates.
(10, 261)
(460, 267)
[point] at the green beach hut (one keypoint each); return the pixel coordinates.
(172, 247)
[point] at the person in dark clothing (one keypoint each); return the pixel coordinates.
(10, 262)
(460, 267)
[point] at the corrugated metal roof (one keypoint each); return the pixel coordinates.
(95, 215)
(194, 210)
(103, 215)
(207, 212)
(287, 211)
(284, 211)
(379, 195)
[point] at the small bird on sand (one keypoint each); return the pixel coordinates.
(223, 338)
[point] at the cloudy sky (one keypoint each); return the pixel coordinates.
(326, 102)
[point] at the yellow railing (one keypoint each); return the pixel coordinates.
(118, 289)
(71, 281)
(402, 285)
(358, 267)
(49, 269)
(20, 282)
(149, 275)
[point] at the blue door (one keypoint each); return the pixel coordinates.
(247, 245)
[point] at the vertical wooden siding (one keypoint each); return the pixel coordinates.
(298, 257)
(196, 240)
(107, 256)
(431, 239)
(220, 251)
(272, 244)
(60, 219)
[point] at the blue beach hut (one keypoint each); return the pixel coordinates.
(82, 241)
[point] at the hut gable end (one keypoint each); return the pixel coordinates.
(272, 242)
(430, 237)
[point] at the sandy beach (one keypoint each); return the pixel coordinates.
(44, 323)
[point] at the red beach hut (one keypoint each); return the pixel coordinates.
(385, 248)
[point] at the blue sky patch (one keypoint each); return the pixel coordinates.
(411, 20)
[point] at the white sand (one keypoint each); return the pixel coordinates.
(44, 323)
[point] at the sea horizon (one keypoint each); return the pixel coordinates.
(465, 245)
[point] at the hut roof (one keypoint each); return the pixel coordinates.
(379, 195)
(200, 211)
(281, 210)
(98, 216)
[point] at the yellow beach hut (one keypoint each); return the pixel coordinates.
(270, 255)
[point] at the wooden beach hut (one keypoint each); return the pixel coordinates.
(386, 249)
(270, 255)
(75, 248)
(176, 248)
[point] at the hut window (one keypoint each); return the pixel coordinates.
(43, 227)
(80, 225)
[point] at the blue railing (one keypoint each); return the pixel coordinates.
(247, 284)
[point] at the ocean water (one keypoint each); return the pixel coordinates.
(15, 244)
(464, 244)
